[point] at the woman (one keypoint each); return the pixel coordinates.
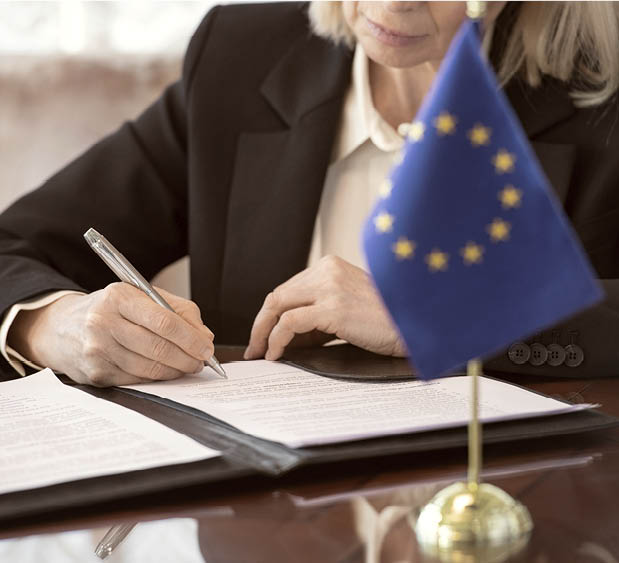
(270, 150)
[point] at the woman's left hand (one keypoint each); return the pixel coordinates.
(332, 299)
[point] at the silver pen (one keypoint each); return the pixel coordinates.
(112, 539)
(127, 273)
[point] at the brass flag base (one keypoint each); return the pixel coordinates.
(479, 523)
(473, 521)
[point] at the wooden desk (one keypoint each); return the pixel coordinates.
(331, 513)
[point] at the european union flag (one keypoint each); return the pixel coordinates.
(467, 245)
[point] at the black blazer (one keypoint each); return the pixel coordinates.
(228, 167)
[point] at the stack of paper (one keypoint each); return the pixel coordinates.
(52, 433)
(285, 404)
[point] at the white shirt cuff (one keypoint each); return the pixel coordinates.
(15, 359)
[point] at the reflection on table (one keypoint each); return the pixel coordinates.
(357, 519)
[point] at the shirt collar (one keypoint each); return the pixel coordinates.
(360, 120)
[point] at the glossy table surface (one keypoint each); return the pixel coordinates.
(362, 512)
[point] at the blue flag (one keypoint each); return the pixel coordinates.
(467, 245)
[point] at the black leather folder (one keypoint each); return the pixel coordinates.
(247, 458)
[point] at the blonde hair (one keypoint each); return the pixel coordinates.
(575, 42)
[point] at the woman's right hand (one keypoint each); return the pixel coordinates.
(114, 336)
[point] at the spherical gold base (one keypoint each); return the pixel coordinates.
(478, 523)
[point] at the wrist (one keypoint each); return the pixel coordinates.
(32, 332)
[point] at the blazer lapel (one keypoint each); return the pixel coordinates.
(540, 109)
(557, 160)
(278, 178)
(279, 175)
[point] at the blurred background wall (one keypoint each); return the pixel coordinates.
(72, 71)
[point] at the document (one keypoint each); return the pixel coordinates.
(51, 433)
(285, 404)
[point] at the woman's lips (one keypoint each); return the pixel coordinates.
(390, 37)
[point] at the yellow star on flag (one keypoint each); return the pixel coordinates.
(404, 248)
(385, 189)
(383, 222)
(445, 123)
(499, 230)
(510, 197)
(398, 158)
(479, 135)
(437, 260)
(416, 131)
(504, 161)
(472, 253)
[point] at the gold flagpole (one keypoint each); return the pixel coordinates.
(473, 521)
(473, 368)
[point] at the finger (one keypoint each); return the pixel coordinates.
(145, 368)
(282, 299)
(180, 304)
(154, 349)
(310, 339)
(187, 309)
(106, 374)
(300, 290)
(114, 378)
(166, 324)
(296, 321)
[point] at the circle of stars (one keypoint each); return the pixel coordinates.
(510, 196)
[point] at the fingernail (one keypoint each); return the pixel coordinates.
(207, 352)
(247, 354)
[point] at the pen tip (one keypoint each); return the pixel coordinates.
(214, 363)
(102, 551)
